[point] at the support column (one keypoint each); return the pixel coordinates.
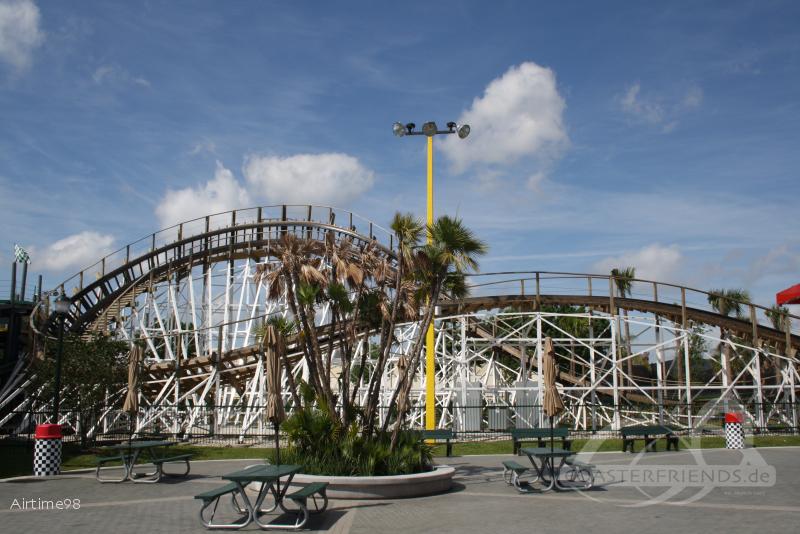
(615, 374)
(659, 372)
(539, 375)
(759, 380)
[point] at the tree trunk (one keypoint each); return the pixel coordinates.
(408, 376)
(313, 353)
(373, 392)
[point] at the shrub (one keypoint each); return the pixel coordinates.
(323, 447)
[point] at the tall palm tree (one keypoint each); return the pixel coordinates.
(409, 230)
(298, 274)
(777, 315)
(623, 280)
(440, 267)
(726, 302)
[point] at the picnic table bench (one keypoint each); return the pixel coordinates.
(649, 434)
(539, 435)
(442, 434)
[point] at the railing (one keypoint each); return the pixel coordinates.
(223, 423)
(229, 219)
(532, 283)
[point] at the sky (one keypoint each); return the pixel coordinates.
(662, 135)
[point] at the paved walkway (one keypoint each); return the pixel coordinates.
(479, 502)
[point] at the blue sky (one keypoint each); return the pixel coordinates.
(662, 135)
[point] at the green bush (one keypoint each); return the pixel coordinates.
(323, 448)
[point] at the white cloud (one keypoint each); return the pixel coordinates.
(520, 114)
(693, 97)
(19, 32)
(653, 262)
(114, 74)
(654, 110)
(783, 259)
(202, 147)
(329, 179)
(535, 181)
(74, 252)
(645, 109)
(222, 193)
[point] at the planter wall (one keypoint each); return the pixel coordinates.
(387, 487)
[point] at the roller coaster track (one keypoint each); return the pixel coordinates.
(742, 328)
(242, 238)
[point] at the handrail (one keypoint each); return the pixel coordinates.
(233, 218)
(555, 275)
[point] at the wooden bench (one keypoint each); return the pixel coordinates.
(649, 434)
(440, 435)
(540, 436)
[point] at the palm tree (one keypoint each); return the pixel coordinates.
(299, 276)
(623, 280)
(777, 316)
(440, 267)
(727, 302)
(408, 230)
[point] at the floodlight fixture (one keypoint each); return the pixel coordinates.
(429, 129)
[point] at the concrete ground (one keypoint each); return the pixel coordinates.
(479, 502)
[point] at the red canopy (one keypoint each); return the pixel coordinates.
(789, 296)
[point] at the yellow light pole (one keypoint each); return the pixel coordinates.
(429, 129)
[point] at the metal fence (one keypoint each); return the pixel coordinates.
(230, 424)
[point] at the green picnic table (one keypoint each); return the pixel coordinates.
(580, 475)
(270, 479)
(130, 452)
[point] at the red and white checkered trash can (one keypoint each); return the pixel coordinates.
(734, 430)
(47, 451)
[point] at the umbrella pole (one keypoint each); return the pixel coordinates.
(552, 460)
(277, 456)
(277, 445)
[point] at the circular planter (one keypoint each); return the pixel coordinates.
(385, 487)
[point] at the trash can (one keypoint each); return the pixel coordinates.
(734, 430)
(47, 451)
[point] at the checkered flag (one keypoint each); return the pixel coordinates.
(21, 255)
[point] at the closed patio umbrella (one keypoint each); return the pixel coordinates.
(274, 344)
(131, 405)
(552, 404)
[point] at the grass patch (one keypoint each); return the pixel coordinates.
(614, 445)
(17, 459)
(83, 459)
